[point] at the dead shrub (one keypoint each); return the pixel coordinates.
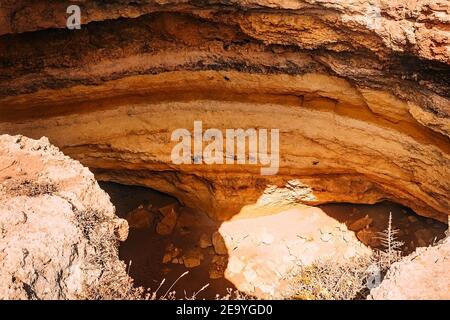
(346, 280)
(331, 280)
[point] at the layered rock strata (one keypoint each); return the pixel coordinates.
(359, 91)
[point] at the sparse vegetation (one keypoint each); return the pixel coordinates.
(331, 280)
(116, 288)
(28, 188)
(323, 280)
(345, 280)
(391, 247)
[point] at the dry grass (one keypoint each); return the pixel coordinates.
(116, 289)
(233, 294)
(28, 188)
(323, 280)
(331, 280)
(346, 280)
(114, 283)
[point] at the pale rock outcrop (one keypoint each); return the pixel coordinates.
(423, 275)
(58, 229)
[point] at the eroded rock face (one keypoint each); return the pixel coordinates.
(359, 92)
(420, 276)
(58, 229)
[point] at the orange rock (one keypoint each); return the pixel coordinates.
(360, 223)
(193, 258)
(219, 243)
(139, 218)
(167, 224)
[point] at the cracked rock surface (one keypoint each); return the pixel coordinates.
(420, 276)
(58, 229)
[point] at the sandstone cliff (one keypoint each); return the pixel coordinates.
(358, 89)
(58, 229)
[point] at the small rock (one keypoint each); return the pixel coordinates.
(217, 267)
(139, 218)
(171, 253)
(167, 258)
(167, 224)
(217, 258)
(168, 209)
(294, 183)
(219, 243)
(368, 237)
(193, 258)
(205, 241)
(360, 223)
(412, 219)
(121, 229)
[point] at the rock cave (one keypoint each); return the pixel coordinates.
(360, 94)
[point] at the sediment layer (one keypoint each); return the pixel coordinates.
(360, 95)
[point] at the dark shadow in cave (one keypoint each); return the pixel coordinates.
(145, 248)
(367, 220)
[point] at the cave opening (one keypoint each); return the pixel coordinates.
(159, 256)
(161, 248)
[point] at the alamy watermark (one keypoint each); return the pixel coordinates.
(74, 19)
(214, 146)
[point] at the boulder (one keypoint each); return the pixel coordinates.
(193, 258)
(217, 267)
(360, 223)
(140, 218)
(204, 241)
(423, 275)
(219, 243)
(59, 229)
(168, 222)
(171, 252)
